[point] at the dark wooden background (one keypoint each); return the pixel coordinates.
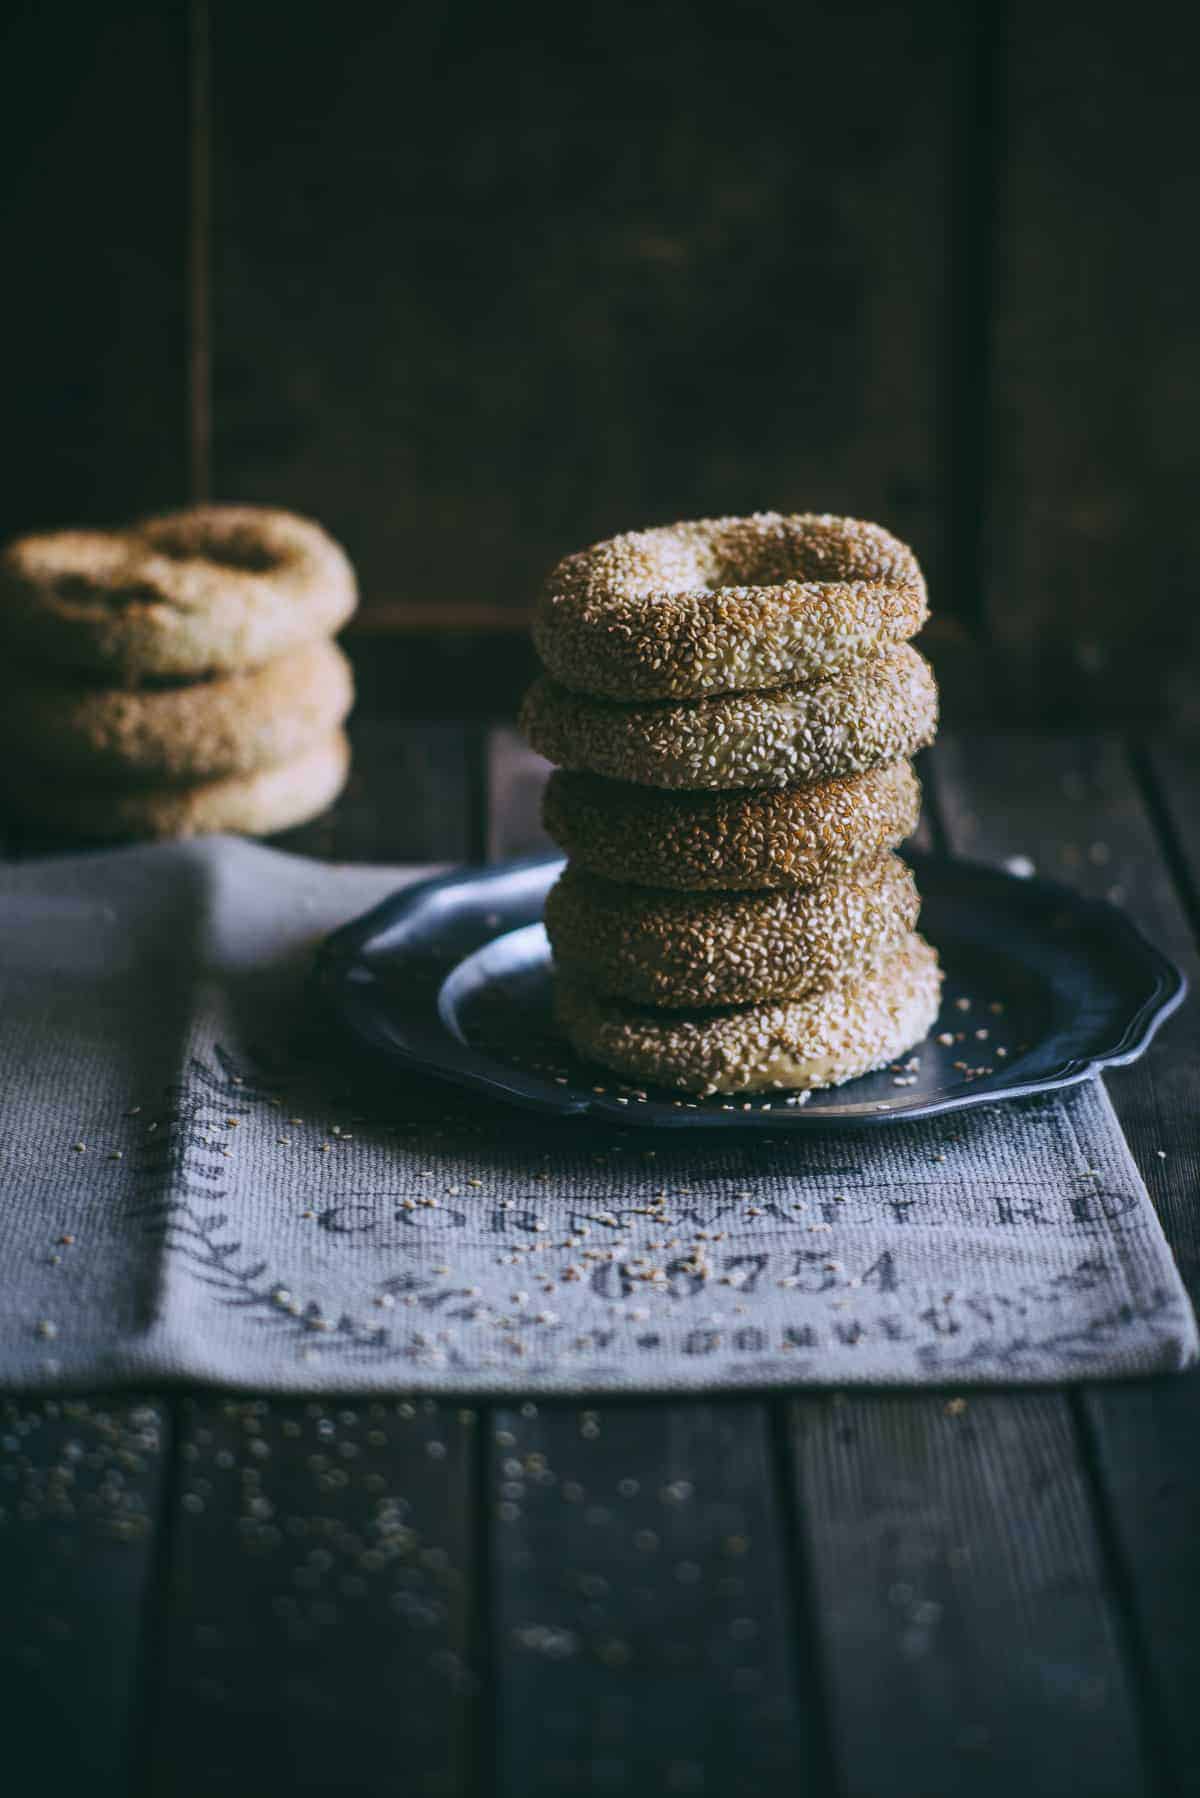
(478, 284)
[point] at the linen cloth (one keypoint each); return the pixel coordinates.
(201, 1182)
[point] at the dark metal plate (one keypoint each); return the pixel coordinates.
(1043, 989)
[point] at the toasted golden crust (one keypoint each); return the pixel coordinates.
(877, 713)
(736, 841)
(866, 1021)
(258, 804)
(200, 730)
(676, 950)
(722, 605)
(210, 589)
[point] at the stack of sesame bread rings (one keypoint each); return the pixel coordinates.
(174, 677)
(732, 705)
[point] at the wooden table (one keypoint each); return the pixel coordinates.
(893, 1596)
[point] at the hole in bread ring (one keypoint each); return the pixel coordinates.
(718, 605)
(208, 590)
(228, 537)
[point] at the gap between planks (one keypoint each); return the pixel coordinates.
(1076, 807)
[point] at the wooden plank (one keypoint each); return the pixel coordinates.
(1073, 806)
(470, 617)
(200, 231)
(411, 796)
(642, 1603)
(462, 675)
(99, 401)
(924, 837)
(80, 1488)
(470, 350)
(1096, 375)
(94, 161)
(516, 777)
(966, 1628)
(1172, 774)
(318, 1606)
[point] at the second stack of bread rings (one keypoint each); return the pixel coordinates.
(175, 676)
(732, 705)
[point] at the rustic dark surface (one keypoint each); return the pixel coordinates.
(887, 1595)
(1091, 537)
(479, 281)
(1089, 811)
(318, 1630)
(644, 1629)
(94, 305)
(83, 1497)
(965, 1614)
(477, 288)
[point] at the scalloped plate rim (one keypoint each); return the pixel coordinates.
(342, 976)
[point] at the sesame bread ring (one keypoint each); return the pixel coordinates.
(258, 804)
(732, 842)
(722, 605)
(200, 730)
(863, 1023)
(203, 591)
(866, 716)
(700, 949)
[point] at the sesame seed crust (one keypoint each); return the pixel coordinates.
(877, 713)
(207, 589)
(257, 804)
(690, 949)
(744, 840)
(868, 1020)
(194, 730)
(716, 605)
